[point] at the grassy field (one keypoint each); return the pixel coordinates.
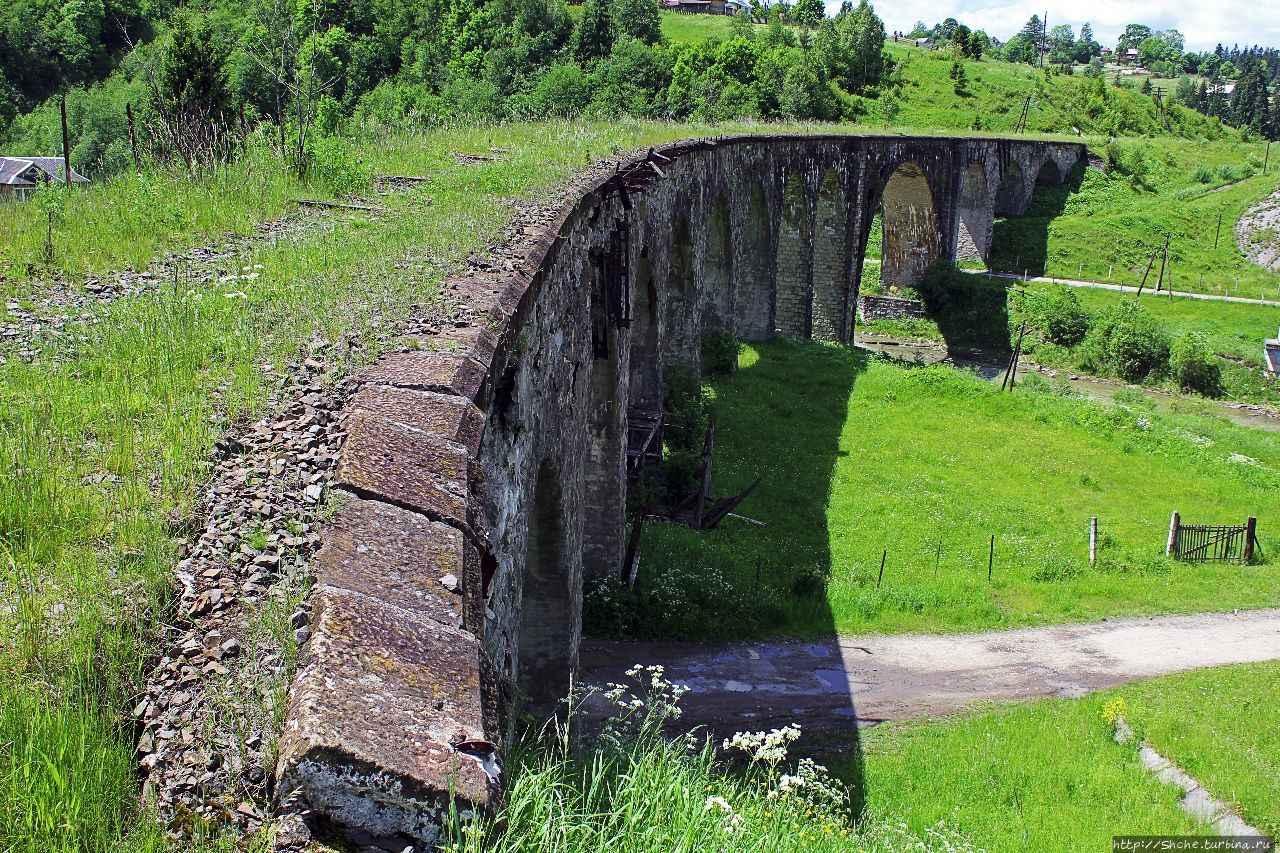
(1233, 331)
(104, 442)
(1105, 227)
(1223, 727)
(1013, 777)
(861, 457)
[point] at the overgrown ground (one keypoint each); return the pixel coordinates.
(861, 458)
(104, 437)
(1048, 775)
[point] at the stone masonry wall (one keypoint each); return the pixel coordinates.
(485, 471)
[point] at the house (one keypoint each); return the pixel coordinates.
(1128, 56)
(697, 7)
(737, 7)
(925, 42)
(1107, 52)
(20, 175)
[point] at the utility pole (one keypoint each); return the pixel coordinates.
(1267, 159)
(66, 144)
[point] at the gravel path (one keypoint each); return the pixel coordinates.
(826, 685)
(1150, 289)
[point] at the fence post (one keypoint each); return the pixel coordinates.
(883, 556)
(1171, 549)
(1093, 540)
(1250, 531)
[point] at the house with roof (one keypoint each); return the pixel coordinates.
(20, 175)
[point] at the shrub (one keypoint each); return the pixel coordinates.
(1194, 366)
(687, 407)
(1056, 313)
(338, 167)
(719, 354)
(1204, 174)
(1127, 342)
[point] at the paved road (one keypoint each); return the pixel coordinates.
(825, 685)
(1213, 297)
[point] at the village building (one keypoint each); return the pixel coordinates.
(20, 175)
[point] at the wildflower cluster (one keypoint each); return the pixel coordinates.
(1114, 710)
(731, 822)
(644, 704)
(764, 747)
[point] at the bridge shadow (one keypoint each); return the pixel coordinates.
(971, 312)
(742, 611)
(1020, 244)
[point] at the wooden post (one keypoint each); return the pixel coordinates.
(133, 136)
(991, 557)
(1217, 233)
(1005, 383)
(1164, 260)
(758, 558)
(937, 556)
(883, 555)
(1017, 354)
(1150, 264)
(1250, 533)
(1266, 160)
(1093, 541)
(66, 144)
(1171, 549)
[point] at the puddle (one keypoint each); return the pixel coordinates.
(993, 368)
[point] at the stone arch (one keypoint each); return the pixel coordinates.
(645, 367)
(753, 305)
(975, 212)
(830, 262)
(911, 228)
(605, 470)
(680, 295)
(791, 303)
(547, 635)
(717, 271)
(1011, 193)
(1049, 175)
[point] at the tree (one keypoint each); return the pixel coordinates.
(639, 19)
(190, 94)
(808, 13)
(594, 35)
(1134, 35)
(1061, 44)
(858, 60)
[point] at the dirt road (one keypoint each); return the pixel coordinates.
(826, 685)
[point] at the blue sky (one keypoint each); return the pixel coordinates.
(1203, 23)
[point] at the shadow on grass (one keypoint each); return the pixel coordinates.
(780, 418)
(1021, 244)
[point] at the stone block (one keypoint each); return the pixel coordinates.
(429, 371)
(446, 416)
(409, 468)
(388, 720)
(403, 559)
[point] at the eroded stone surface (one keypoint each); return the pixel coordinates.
(447, 373)
(408, 467)
(380, 710)
(403, 559)
(445, 416)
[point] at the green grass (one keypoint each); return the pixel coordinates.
(1045, 776)
(679, 28)
(1223, 727)
(861, 457)
(1013, 776)
(1105, 227)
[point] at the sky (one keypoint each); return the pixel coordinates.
(1204, 24)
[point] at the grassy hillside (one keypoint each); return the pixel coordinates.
(860, 457)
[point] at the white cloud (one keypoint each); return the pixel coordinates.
(1243, 22)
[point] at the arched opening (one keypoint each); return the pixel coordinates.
(830, 262)
(975, 214)
(791, 309)
(645, 369)
(678, 333)
(911, 236)
(544, 647)
(1011, 195)
(753, 303)
(1049, 175)
(717, 272)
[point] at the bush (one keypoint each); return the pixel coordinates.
(338, 167)
(687, 407)
(1127, 342)
(1204, 174)
(1056, 313)
(1194, 366)
(719, 354)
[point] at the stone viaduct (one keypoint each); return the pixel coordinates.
(486, 471)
